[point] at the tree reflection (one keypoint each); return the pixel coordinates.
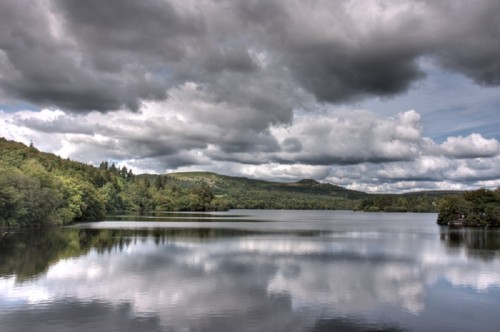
(352, 325)
(27, 254)
(478, 242)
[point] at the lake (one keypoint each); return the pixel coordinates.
(252, 270)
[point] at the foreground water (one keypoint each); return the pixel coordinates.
(252, 271)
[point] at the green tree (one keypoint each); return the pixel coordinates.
(11, 207)
(452, 208)
(201, 197)
(478, 207)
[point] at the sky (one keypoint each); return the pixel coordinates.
(379, 96)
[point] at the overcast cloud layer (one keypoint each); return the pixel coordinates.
(372, 95)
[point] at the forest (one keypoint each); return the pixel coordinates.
(477, 208)
(38, 188)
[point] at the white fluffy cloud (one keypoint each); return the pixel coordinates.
(357, 148)
(472, 146)
(347, 137)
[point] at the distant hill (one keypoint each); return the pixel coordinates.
(224, 183)
(242, 192)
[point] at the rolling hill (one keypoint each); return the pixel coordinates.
(242, 192)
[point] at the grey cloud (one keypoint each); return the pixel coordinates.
(292, 144)
(61, 124)
(145, 28)
(348, 50)
(335, 75)
(331, 57)
(235, 59)
(355, 63)
(61, 84)
(163, 152)
(156, 147)
(263, 55)
(249, 142)
(49, 66)
(265, 12)
(165, 163)
(473, 43)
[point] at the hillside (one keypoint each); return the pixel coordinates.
(241, 192)
(39, 188)
(225, 183)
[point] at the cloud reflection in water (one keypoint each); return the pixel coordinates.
(251, 281)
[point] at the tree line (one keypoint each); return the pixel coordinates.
(399, 203)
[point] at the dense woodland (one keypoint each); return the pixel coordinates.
(38, 188)
(476, 208)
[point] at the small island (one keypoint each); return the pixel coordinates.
(478, 208)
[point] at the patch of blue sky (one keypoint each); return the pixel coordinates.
(461, 121)
(18, 106)
(449, 104)
(164, 74)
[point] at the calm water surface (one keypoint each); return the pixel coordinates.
(252, 271)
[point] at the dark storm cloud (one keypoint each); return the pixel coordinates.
(473, 46)
(292, 144)
(88, 58)
(152, 29)
(234, 59)
(109, 55)
(337, 76)
(328, 56)
(163, 146)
